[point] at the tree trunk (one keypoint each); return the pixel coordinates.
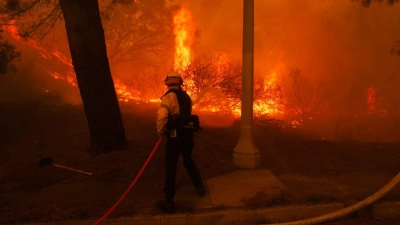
(89, 57)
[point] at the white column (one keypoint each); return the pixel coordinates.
(246, 154)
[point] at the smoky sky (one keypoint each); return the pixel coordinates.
(339, 42)
(324, 39)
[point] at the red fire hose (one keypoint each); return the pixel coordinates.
(132, 184)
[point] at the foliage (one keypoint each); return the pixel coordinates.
(225, 75)
(139, 33)
(206, 71)
(8, 54)
(267, 93)
(136, 32)
(35, 18)
(146, 85)
(301, 96)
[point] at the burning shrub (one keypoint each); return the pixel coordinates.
(267, 96)
(138, 34)
(146, 86)
(301, 96)
(206, 72)
(226, 77)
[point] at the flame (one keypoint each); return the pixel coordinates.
(184, 35)
(122, 90)
(12, 30)
(184, 31)
(371, 99)
(271, 81)
(269, 105)
(69, 78)
(221, 61)
(374, 104)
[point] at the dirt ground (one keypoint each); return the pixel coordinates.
(33, 130)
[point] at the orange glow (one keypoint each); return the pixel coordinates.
(371, 99)
(221, 62)
(184, 30)
(269, 105)
(184, 35)
(211, 101)
(271, 81)
(375, 104)
(124, 93)
(12, 30)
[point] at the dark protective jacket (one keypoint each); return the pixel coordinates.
(174, 102)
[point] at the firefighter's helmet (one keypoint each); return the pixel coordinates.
(173, 78)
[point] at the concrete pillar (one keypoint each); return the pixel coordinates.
(246, 154)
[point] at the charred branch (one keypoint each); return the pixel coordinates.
(34, 18)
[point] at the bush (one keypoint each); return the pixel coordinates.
(8, 54)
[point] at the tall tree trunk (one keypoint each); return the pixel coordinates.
(89, 57)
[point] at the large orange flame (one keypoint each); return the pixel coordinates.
(184, 30)
(184, 35)
(271, 104)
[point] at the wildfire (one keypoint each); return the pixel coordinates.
(12, 30)
(221, 61)
(69, 78)
(371, 99)
(184, 31)
(374, 104)
(269, 105)
(68, 75)
(184, 35)
(271, 81)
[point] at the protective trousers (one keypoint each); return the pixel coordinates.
(184, 144)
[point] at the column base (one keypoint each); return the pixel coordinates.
(246, 155)
(246, 161)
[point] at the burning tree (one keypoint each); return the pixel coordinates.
(138, 34)
(8, 54)
(301, 96)
(89, 57)
(206, 71)
(267, 96)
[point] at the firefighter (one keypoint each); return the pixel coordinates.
(178, 142)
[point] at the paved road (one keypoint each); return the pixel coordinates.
(364, 222)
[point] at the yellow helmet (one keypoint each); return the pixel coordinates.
(173, 78)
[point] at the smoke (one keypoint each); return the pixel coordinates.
(213, 108)
(339, 44)
(43, 73)
(324, 39)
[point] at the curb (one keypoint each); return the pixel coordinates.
(385, 210)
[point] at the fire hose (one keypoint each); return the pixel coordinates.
(132, 184)
(315, 220)
(347, 210)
